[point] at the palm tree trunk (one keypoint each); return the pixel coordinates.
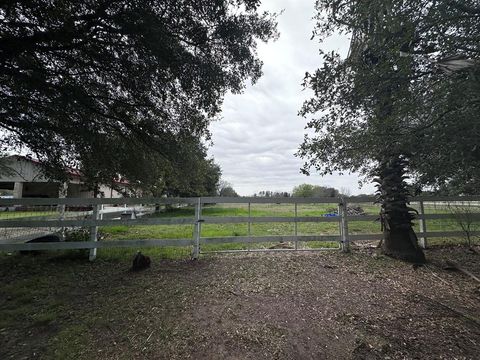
(400, 241)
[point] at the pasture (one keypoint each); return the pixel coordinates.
(123, 232)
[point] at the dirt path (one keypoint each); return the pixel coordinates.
(264, 306)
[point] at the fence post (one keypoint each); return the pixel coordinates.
(423, 226)
(344, 226)
(197, 229)
(62, 193)
(94, 232)
(340, 222)
(249, 225)
(296, 227)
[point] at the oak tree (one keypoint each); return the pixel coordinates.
(79, 77)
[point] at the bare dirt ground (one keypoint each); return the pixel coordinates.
(322, 305)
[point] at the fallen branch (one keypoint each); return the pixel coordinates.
(472, 319)
(438, 277)
(454, 265)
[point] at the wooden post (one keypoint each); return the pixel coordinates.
(344, 227)
(423, 226)
(197, 229)
(94, 232)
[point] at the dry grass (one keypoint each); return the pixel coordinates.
(252, 306)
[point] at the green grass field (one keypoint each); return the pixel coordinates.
(47, 213)
(259, 229)
(124, 232)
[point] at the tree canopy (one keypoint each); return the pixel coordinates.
(405, 98)
(409, 87)
(89, 82)
(308, 190)
(191, 173)
(226, 189)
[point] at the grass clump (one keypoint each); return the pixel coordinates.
(69, 343)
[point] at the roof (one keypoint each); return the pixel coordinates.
(70, 170)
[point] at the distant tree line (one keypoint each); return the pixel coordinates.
(306, 190)
(225, 189)
(268, 193)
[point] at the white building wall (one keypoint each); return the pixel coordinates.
(22, 170)
(108, 192)
(29, 181)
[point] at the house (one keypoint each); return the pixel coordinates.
(22, 177)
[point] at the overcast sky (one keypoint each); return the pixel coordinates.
(260, 131)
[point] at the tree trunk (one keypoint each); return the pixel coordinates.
(400, 241)
(402, 244)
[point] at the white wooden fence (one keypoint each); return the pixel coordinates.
(95, 219)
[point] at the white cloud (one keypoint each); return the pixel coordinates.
(260, 131)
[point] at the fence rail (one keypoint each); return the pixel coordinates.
(93, 218)
(223, 200)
